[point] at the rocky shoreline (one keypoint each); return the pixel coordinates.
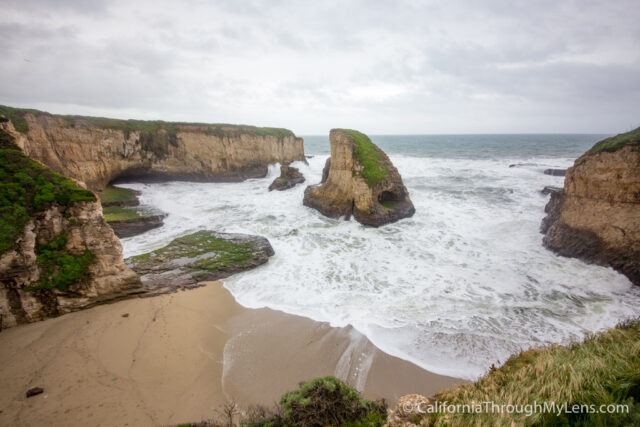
(198, 257)
(596, 216)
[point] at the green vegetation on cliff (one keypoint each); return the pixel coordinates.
(148, 127)
(26, 188)
(58, 267)
(617, 142)
(602, 370)
(373, 169)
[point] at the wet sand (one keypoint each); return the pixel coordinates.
(178, 357)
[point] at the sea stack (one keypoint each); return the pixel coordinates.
(596, 217)
(359, 180)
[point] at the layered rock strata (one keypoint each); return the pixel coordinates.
(97, 151)
(596, 217)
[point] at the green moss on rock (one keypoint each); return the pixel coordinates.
(617, 142)
(373, 169)
(118, 196)
(58, 267)
(206, 252)
(26, 188)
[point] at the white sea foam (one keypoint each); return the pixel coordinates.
(459, 286)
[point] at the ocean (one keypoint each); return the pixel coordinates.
(461, 285)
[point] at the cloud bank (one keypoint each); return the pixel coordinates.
(384, 67)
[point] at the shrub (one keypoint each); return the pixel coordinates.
(327, 401)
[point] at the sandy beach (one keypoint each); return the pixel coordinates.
(178, 357)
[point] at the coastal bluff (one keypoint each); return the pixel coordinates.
(57, 252)
(359, 180)
(596, 216)
(97, 150)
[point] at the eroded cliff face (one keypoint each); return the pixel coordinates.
(597, 215)
(346, 190)
(58, 252)
(97, 155)
(85, 230)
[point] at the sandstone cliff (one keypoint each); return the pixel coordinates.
(597, 215)
(97, 151)
(57, 253)
(359, 179)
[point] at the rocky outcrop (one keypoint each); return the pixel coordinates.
(57, 253)
(359, 180)
(289, 178)
(597, 215)
(97, 151)
(201, 256)
(133, 226)
(21, 298)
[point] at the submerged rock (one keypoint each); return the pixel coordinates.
(198, 257)
(359, 180)
(597, 216)
(555, 172)
(289, 177)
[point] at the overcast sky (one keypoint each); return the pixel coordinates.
(383, 67)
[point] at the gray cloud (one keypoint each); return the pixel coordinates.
(384, 67)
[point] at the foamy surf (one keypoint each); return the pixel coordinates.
(461, 285)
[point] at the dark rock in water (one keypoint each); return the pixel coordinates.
(555, 172)
(360, 180)
(551, 189)
(289, 177)
(198, 257)
(517, 165)
(34, 391)
(133, 227)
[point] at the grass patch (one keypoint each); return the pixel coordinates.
(604, 369)
(58, 268)
(26, 188)
(374, 170)
(617, 142)
(122, 213)
(148, 127)
(208, 253)
(117, 195)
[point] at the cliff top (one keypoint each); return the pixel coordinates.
(617, 142)
(600, 370)
(28, 188)
(374, 169)
(17, 117)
